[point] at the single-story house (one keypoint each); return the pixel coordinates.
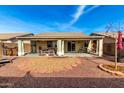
(9, 42)
(62, 42)
(109, 42)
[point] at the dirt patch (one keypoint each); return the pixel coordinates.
(47, 64)
(112, 67)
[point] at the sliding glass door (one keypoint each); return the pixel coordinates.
(71, 46)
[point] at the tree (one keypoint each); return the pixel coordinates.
(116, 30)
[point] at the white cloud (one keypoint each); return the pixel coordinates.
(10, 24)
(90, 9)
(79, 12)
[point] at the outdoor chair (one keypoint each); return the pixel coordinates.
(80, 50)
(51, 52)
(42, 52)
(40, 49)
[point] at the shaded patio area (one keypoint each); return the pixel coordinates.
(65, 55)
(80, 55)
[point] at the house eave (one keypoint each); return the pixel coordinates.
(62, 38)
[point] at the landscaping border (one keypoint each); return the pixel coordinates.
(110, 71)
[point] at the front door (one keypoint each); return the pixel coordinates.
(71, 46)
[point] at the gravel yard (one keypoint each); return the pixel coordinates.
(66, 72)
(47, 64)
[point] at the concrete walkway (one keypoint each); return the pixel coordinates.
(67, 55)
(80, 55)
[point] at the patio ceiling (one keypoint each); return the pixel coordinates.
(62, 38)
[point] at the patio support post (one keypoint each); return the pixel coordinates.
(97, 47)
(100, 48)
(89, 46)
(20, 48)
(62, 47)
(59, 47)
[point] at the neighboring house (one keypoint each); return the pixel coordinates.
(8, 42)
(109, 42)
(62, 42)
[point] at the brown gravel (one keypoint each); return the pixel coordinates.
(85, 74)
(46, 64)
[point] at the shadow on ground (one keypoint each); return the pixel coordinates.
(60, 82)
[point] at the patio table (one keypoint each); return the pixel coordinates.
(47, 52)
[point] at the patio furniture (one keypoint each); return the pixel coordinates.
(51, 52)
(82, 50)
(2, 61)
(47, 52)
(11, 59)
(43, 52)
(39, 50)
(7, 60)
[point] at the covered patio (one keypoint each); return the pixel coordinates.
(60, 45)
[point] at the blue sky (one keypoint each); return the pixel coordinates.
(61, 18)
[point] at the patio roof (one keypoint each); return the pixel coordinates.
(9, 36)
(61, 35)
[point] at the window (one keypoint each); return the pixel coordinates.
(49, 44)
(71, 46)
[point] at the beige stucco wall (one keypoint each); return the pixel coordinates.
(42, 44)
(79, 45)
(65, 46)
(108, 40)
(122, 51)
(24, 41)
(109, 47)
(27, 46)
(0, 50)
(27, 41)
